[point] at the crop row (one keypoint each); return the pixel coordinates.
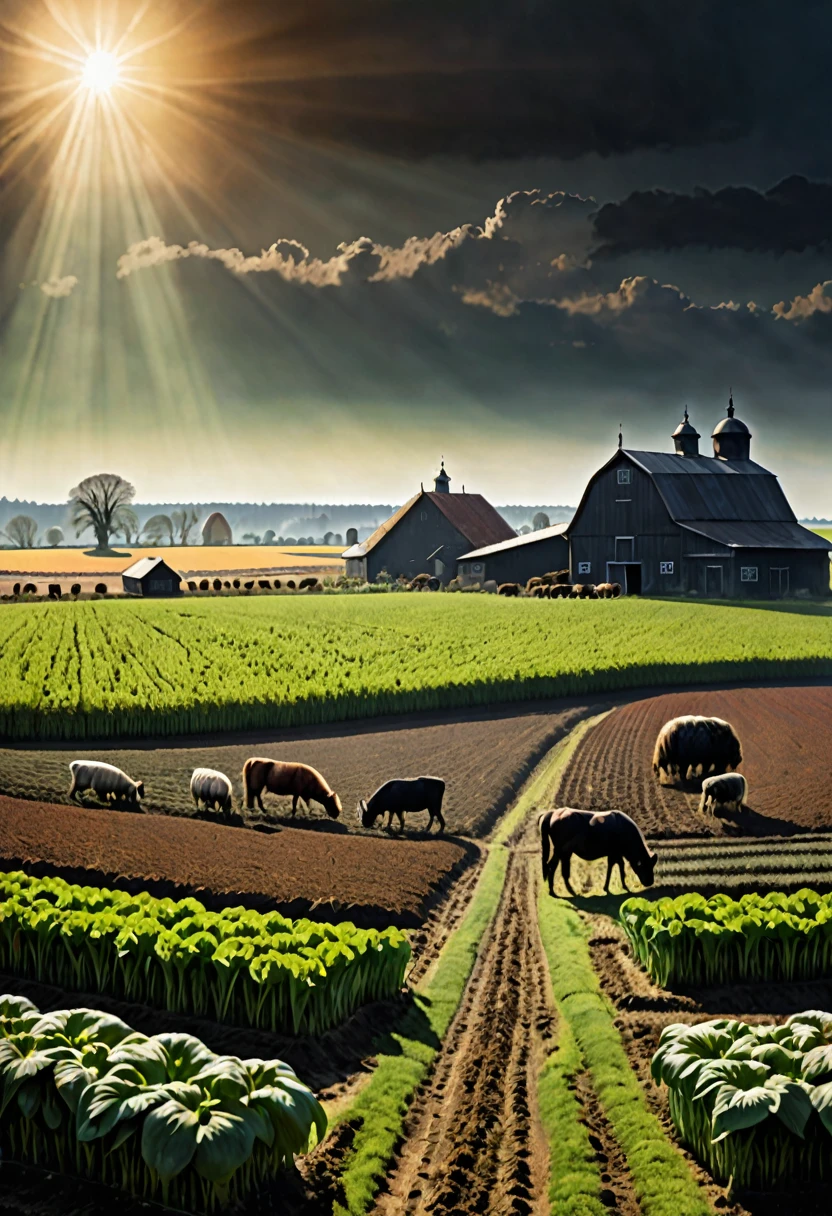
(753, 1102)
(758, 937)
(123, 668)
(237, 966)
(160, 1117)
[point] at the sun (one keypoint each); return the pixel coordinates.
(100, 71)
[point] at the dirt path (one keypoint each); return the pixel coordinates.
(473, 1142)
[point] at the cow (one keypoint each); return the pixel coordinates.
(690, 748)
(212, 789)
(590, 835)
(280, 777)
(404, 796)
(106, 781)
(508, 589)
(560, 591)
(722, 793)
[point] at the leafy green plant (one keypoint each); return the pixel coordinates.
(238, 966)
(765, 937)
(161, 1117)
(754, 1103)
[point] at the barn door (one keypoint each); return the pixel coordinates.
(779, 581)
(713, 581)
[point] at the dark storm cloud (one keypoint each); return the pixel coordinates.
(483, 78)
(790, 217)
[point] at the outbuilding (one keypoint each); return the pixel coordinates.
(151, 576)
(428, 535)
(518, 559)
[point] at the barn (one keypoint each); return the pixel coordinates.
(679, 523)
(151, 576)
(428, 535)
(518, 559)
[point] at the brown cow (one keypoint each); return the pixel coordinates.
(590, 835)
(285, 778)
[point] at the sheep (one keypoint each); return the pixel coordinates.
(264, 584)
(508, 589)
(217, 584)
(590, 835)
(107, 782)
(401, 796)
(100, 588)
(191, 585)
(204, 584)
(235, 584)
(722, 793)
(16, 589)
(31, 589)
(75, 590)
(692, 747)
(212, 789)
(304, 583)
(54, 590)
(284, 777)
(249, 584)
(290, 583)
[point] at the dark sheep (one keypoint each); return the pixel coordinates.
(565, 832)
(301, 781)
(264, 584)
(404, 796)
(277, 584)
(75, 590)
(101, 588)
(692, 747)
(290, 583)
(204, 584)
(306, 582)
(16, 589)
(31, 589)
(236, 584)
(191, 585)
(227, 585)
(508, 589)
(54, 591)
(217, 584)
(722, 793)
(248, 585)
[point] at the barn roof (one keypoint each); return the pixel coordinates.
(145, 565)
(471, 514)
(516, 541)
(757, 535)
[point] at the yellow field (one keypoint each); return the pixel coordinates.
(186, 559)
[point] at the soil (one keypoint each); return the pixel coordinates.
(484, 757)
(645, 1009)
(785, 732)
(328, 875)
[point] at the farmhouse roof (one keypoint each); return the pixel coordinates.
(471, 514)
(516, 541)
(145, 565)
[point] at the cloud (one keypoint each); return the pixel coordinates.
(58, 287)
(790, 217)
(819, 300)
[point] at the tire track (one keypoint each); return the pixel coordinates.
(473, 1142)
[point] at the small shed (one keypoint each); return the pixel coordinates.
(217, 530)
(518, 559)
(151, 576)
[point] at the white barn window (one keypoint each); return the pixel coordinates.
(665, 567)
(625, 476)
(748, 574)
(584, 567)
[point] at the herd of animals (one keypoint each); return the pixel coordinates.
(554, 586)
(688, 749)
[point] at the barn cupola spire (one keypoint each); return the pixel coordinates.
(442, 482)
(686, 437)
(732, 438)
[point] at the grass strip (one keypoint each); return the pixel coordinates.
(407, 1053)
(663, 1183)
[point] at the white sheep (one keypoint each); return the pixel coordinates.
(211, 788)
(723, 792)
(106, 781)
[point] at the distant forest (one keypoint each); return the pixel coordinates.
(286, 519)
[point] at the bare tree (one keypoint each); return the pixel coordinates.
(54, 536)
(22, 531)
(541, 520)
(128, 526)
(99, 502)
(184, 521)
(157, 529)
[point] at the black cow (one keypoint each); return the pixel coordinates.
(404, 796)
(590, 835)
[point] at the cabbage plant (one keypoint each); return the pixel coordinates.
(161, 1117)
(754, 1103)
(769, 937)
(239, 966)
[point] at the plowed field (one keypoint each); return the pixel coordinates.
(786, 736)
(483, 757)
(372, 882)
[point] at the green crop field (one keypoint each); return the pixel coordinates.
(109, 669)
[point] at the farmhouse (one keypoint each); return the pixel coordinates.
(518, 559)
(664, 523)
(428, 535)
(151, 576)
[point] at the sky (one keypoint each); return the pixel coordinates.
(303, 251)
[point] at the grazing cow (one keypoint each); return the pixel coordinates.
(404, 796)
(722, 793)
(508, 589)
(590, 835)
(286, 778)
(604, 590)
(583, 591)
(107, 782)
(532, 583)
(691, 747)
(560, 591)
(212, 789)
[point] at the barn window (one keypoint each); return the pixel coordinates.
(584, 567)
(748, 574)
(665, 567)
(477, 567)
(625, 476)
(625, 548)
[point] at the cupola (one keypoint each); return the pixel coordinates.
(686, 437)
(442, 482)
(732, 438)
